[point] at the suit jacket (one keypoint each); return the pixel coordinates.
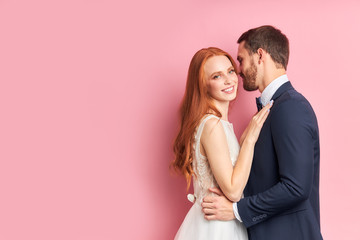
(282, 194)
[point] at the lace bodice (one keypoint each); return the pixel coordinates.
(204, 178)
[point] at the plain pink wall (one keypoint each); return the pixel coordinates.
(89, 92)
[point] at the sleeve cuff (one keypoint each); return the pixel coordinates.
(236, 212)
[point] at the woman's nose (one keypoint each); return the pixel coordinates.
(227, 80)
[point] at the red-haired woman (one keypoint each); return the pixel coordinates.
(206, 147)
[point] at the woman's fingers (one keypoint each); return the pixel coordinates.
(257, 122)
(263, 113)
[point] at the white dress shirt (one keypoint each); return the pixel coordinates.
(265, 98)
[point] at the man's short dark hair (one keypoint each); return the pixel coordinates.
(270, 39)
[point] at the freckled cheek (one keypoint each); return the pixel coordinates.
(235, 80)
(214, 88)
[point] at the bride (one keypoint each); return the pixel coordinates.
(206, 148)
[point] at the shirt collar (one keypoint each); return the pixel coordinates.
(270, 90)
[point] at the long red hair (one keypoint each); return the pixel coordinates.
(195, 104)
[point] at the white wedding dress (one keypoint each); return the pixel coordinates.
(195, 226)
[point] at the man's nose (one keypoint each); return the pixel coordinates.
(240, 68)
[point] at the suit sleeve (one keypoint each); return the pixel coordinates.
(292, 129)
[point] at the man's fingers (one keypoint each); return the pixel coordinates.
(207, 205)
(209, 211)
(210, 217)
(208, 199)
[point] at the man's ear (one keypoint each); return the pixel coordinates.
(261, 52)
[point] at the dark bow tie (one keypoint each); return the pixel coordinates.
(259, 104)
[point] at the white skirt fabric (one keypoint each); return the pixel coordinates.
(196, 227)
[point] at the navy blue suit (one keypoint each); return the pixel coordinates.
(282, 195)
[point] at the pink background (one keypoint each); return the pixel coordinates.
(89, 94)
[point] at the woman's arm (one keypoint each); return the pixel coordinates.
(243, 135)
(231, 180)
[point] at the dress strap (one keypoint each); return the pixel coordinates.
(201, 126)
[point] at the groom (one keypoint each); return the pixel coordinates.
(282, 194)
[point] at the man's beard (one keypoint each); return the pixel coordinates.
(249, 78)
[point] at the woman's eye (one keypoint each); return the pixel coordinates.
(231, 71)
(216, 77)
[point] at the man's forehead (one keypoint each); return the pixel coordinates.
(242, 50)
(241, 47)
